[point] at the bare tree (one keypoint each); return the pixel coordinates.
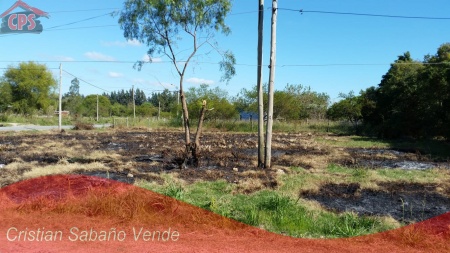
(160, 24)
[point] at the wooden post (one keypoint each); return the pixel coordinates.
(260, 86)
(273, 48)
(60, 99)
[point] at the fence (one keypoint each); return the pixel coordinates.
(118, 122)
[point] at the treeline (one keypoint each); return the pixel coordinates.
(412, 100)
(23, 93)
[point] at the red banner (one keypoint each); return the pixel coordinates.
(73, 213)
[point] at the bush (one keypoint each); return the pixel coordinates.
(83, 126)
(4, 117)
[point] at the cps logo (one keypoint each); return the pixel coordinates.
(22, 22)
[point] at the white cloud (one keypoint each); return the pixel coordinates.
(63, 58)
(131, 43)
(98, 56)
(146, 58)
(115, 74)
(134, 43)
(195, 80)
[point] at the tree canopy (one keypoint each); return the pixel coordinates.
(294, 102)
(28, 87)
(217, 101)
(349, 108)
(412, 99)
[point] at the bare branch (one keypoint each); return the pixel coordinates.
(174, 57)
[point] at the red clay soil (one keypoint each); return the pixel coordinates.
(74, 213)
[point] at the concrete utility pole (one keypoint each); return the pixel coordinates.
(134, 105)
(273, 51)
(260, 86)
(60, 98)
(97, 107)
(159, 110)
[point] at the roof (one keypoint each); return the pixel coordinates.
(26, 7)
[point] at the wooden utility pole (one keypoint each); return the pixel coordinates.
(273, 51)
(260, 86)
(134, 106)
(60, 98)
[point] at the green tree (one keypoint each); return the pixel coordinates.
(90, 106)
(217, 99)
(293, 103)
(31, 85)
(396, 106)
(349, 108)
(146, 110)
(120, 110)
(5, 95)
(166, 99)
(435, 91)
(72, 100)
(247, 99)
(160, 24)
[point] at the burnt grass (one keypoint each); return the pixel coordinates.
(230, 157)
(405, 202)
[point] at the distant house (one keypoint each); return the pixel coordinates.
(248, 116)
(63, 113)
(254, 116)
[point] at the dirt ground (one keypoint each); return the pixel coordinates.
(141, 154)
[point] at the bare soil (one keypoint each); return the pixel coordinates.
(140, 154)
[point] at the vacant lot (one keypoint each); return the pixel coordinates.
(401, 182)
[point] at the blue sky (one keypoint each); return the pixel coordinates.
(328, 52)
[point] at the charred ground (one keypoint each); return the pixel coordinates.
(141, 154)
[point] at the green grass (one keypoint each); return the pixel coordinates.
(432, 148)
(354, 142)
(272, 210)
(354, 174)
(278, 126)
(420, 176)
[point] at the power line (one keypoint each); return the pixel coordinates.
(301, 11)
(82, 27)
(79, 21)
(248, 65)
(85, 10)
(241, 13)
(86, 81)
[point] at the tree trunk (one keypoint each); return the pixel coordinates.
(260, 86)
(196, 147)
(273, 48)
(187, 134)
